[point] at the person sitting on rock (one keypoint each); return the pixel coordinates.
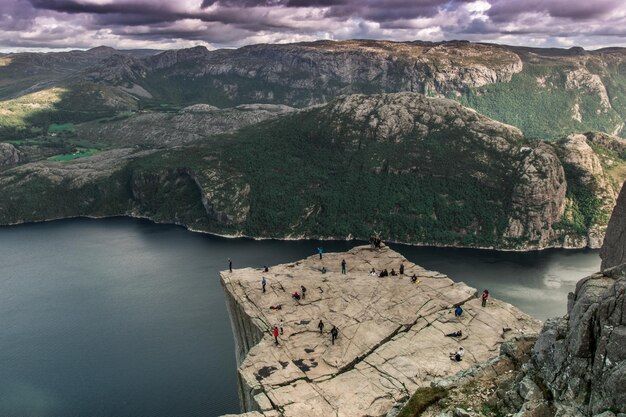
(296, 295)
(401, 269)
(373, 272)
(323, 270)
(414, 279)
(383, 273)
(393, 272)
(266, 269)
(458, 355)
(455, 334)
(276, 307)
(458, 311)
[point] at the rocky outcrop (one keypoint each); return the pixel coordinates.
(391, 333)
(585, 171)
(610, 142)
(578, 365)
(582, 79)
(538, 200)
(9, 155)
(613, 251)
(304, 74)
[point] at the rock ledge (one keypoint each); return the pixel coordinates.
(391, 333)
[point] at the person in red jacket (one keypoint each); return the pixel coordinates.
(485, 296)
(276, 334)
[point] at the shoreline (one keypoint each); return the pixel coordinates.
(303, 238)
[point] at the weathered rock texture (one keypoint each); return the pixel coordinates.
(613, 251)
(9, 155)
(578, 365)
(391, 334)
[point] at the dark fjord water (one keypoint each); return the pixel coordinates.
(125, 318)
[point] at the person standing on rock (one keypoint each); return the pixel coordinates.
(343, 266)
(230, 265)
(282, 326)
(321, 327)
(263, 283)
(333, 334)
(276, 335)
(303, 291)
(401, 269)
(320, 251)
(485, 296)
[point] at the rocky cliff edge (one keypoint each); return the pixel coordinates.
(391, 333)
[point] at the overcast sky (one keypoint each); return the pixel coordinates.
(160, 24)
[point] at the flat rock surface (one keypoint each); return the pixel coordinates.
(391, 333)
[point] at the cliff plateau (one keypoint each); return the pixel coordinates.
(391, 333)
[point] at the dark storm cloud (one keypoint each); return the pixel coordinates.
(68, 23)
(506, 10)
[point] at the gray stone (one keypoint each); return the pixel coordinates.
(613, 252)
(391, 334)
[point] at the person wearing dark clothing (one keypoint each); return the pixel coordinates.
(276, 334)
(458, 311)
(333, 334)
(320, 251)
(393, 272)
(343, 266)
(401, 269)
(455, 334)
(485, 296)
(458, 355)
(263, 283)
(371, 242)
(321, 326)
(296, 296)
(230, 265)
(282, 327)
(303, 291)
(414, 278)
(266, 269)
(384, 273)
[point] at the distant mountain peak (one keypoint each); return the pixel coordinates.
(102, 50)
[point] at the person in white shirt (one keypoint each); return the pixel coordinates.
(458, 355)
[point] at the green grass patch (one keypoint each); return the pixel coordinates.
(79, 153)
(421, 400)
(63, 127)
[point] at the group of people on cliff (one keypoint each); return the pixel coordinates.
(334, 332)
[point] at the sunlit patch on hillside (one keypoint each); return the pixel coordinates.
(5, 62)
(15, 112)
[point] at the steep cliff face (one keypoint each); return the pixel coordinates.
(391, 333)
(538, 199)
(311, 73)
(578, 364)
(613, 251)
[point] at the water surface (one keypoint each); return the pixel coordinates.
(125, 318)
